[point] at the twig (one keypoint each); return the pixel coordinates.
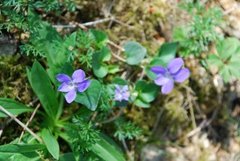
(118, 57)
(21, 124)
(203, 124)
(28, 122)
(82, 26)
(123, 24)
(97, 21)
(115, 45)
(126, 149)
(33, 102)
(114, 117)
(142, 74)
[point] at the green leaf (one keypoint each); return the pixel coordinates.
(91, 96)
(225, 73)
(120, 81)
(20, 148)
(49, 42)
(228, 47)
(214, 60)
(107, 151)
(135, 52)
(33, 156)
(147, 91)
(112, 69)
(67, 157)
(20, 152)
(180, 34)
(100, 37)
(141, 103)
(43, 88)
(51, 143)
(227, 60)
(70, 41)
(13, 107)
(167, 52)
(99, 68)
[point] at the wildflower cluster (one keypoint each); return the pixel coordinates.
(83, 79)
(166, 76)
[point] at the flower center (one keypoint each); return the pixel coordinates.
(72, 85)
(168, 75)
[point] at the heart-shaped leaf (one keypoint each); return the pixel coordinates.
(135, 52)
(100, 69)
(91, 96)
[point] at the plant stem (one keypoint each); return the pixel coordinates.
(21, 124)
(114, 117)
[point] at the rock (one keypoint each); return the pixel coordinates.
(232, 12)
(8, 46)
(152, 153)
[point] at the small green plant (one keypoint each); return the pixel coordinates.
(85, 88)
(226, 59)
(200, 33)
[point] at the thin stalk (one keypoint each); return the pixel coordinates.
(193, 117)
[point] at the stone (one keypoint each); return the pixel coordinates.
(8, 46)
(152, 153)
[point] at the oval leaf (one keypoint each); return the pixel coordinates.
(107, 151)
(51, 143)
(167, 52)
(135, 52)
(13, 107)
(91, 96)
(43, 88)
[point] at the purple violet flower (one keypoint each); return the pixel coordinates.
(174, 72)
(121, 93)
(70, 86)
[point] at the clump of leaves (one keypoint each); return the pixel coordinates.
(16, 14)
(226, 60)
(126, 130)
(83, 135)
(200, 32)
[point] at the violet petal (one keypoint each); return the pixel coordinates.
(167, 88)
(70, 96)
(78, 76)
(125, 96)
(161, 80)
(121, 93)
(63, 78)
(175, 65)
(181, 75)
(64, 87)
(83, 85)
(118, 97)
(117, 87)
(158, 70)
(125, 88)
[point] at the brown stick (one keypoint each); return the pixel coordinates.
(28, 122)
(21, 124)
